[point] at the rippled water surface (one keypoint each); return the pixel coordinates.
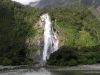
(49, 72)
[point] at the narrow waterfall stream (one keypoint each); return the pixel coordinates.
(50, 38)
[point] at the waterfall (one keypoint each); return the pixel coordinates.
(50, 38)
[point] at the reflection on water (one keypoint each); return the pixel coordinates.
(43, 71)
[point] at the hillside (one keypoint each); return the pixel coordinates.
(79, 35)
(53, 3)
(16, 23)
(78, 31)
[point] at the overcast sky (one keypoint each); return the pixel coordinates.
(25, 1)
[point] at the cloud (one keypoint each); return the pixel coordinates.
(25, 2)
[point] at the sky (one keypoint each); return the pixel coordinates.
(25, 2)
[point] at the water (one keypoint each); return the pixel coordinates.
(50, 37)
(48, 72)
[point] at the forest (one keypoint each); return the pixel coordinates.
(77, 27)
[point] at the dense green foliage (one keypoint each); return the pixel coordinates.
(77, 25)
(16, 23)
(79, 32)
(73, 56)
(78, 29)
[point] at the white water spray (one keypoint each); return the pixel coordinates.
(50, 37)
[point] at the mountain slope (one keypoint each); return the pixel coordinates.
(91, 2)
(20, 32)
(16, 25)
(52, 3)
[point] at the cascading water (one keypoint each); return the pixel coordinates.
(50, 37)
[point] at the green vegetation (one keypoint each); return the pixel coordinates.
(71, 56)
(16, 23)
(78, 26)
(78, 29)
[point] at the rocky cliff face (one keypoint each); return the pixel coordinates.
(45, 3)
(35, 44)
(52, 3)
(91, 2)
